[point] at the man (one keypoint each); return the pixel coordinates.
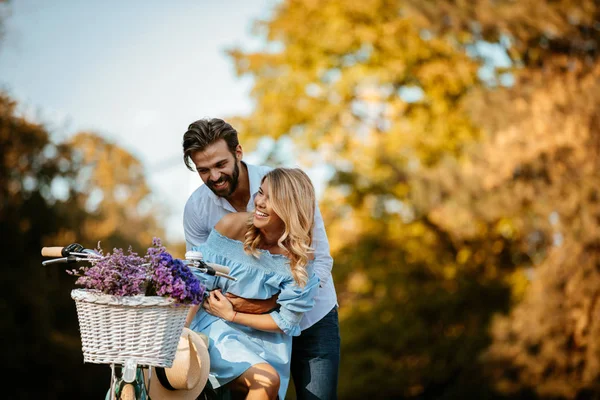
(230, 184)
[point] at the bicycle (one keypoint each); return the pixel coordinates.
(127, 371)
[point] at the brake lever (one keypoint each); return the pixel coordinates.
(231, 278)
(63, 260)
(72, 248)
(207, 269)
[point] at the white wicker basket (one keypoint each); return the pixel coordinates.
(114, 328)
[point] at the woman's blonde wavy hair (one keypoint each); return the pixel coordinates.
(292, 197)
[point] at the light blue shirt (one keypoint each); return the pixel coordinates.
(204, 209)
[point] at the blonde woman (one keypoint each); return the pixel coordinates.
(269, 252)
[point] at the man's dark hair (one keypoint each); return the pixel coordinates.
(203, 133)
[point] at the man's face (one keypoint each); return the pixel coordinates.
(218, 168)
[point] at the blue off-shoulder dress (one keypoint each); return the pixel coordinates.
(233, 348)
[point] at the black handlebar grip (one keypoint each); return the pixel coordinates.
(72, 248)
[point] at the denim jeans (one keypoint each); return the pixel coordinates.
(316, 359)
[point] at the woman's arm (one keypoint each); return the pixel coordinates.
(219, 305)
(191, 314)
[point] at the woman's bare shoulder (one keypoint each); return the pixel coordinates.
(233, 225)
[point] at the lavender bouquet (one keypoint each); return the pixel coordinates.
(155, 274)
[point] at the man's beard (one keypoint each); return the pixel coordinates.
(232, 180)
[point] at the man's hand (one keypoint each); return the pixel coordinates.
(252, 306)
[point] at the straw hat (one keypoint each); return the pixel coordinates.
(189, 373)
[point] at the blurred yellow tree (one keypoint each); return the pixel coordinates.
(540, 167)
(456, 178)
(380, 98)
(110, 186)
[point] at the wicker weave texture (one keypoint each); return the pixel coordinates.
(114, 329)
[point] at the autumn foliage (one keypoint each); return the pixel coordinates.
(464, 208)
(461, 147)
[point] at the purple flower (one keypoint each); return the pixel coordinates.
(171, 277)
(156, 274)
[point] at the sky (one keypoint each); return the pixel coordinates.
(136, 72)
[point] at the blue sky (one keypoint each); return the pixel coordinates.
(137, 72)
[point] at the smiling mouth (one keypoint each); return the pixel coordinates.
(261, 214)
(219, 185)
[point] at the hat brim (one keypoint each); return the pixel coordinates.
(159, 392)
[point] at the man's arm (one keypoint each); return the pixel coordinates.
(294, 301)
(217, 305)
(195, 233)
(323, 260)
(252, 306)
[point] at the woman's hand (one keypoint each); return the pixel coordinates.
(218, 305)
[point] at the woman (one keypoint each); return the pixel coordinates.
(269, 252)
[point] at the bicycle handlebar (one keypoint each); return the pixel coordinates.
(76, 252)
(218, 268)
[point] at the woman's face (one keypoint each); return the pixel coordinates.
(264, 216)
